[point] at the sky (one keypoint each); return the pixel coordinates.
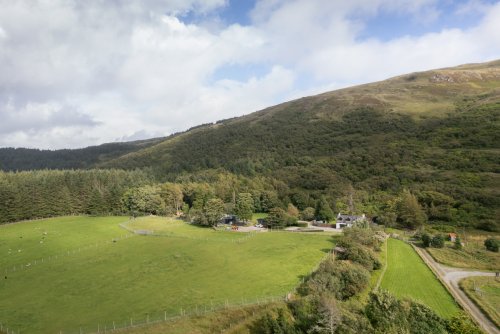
(79, 73)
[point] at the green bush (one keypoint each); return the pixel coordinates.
(342, 279)
(387, 314)
(437, 241)
(491, 244)
(426, 240)
(358, 254)
(461, 324)
(302, 224)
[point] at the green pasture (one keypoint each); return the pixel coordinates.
(93, 276)
(485, 292)
(409, 277)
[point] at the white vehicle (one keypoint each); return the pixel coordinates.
(259, 225)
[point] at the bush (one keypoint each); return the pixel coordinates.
(302, 224)
(341, 279)
(358, 254)
(387, 314)
(364, 236)
(458, 243)
(491, 244)
(461, 324)
(271, 323)
(426, 240)
(437, 241)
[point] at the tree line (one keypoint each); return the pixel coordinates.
(203, 198)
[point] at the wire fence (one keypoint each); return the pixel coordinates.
(163, 315)
(154, 318)
(234, 238)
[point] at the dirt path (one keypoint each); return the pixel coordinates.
(450, 278)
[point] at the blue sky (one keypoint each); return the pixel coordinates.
(83, 73)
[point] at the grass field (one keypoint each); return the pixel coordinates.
(485, 292)
(408, 276)
(472, 256)
(100, 280)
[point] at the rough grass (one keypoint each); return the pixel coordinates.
(140, 276)
(408, 276)
(485, 292)
(466, 258)
(473, 255)
(229, 321)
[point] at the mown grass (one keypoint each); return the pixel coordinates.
(408, 276)
(485, 292)
(140, 276)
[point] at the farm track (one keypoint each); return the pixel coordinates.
(450, 278)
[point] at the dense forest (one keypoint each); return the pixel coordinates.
(431, 139)
(24, 159)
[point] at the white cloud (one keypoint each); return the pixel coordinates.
(79, 73)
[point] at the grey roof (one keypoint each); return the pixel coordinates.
(347, 218)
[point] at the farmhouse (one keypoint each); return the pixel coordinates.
(452, 237)
(348, 220)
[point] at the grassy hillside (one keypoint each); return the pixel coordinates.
(91, 274)
(407, 276)
(430, 107)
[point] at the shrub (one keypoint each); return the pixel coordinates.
(426, 240)
(461, 324)
(302, 224)
(458, 243)
(359, 254)
(341, 279)
(437, 241)
(274, 324)
(387, 314)
(491, 244)
(364, 236)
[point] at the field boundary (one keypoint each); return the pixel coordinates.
(386, 264)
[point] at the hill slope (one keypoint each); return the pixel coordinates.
(436, 132)
(440, 111)
(12, 159)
